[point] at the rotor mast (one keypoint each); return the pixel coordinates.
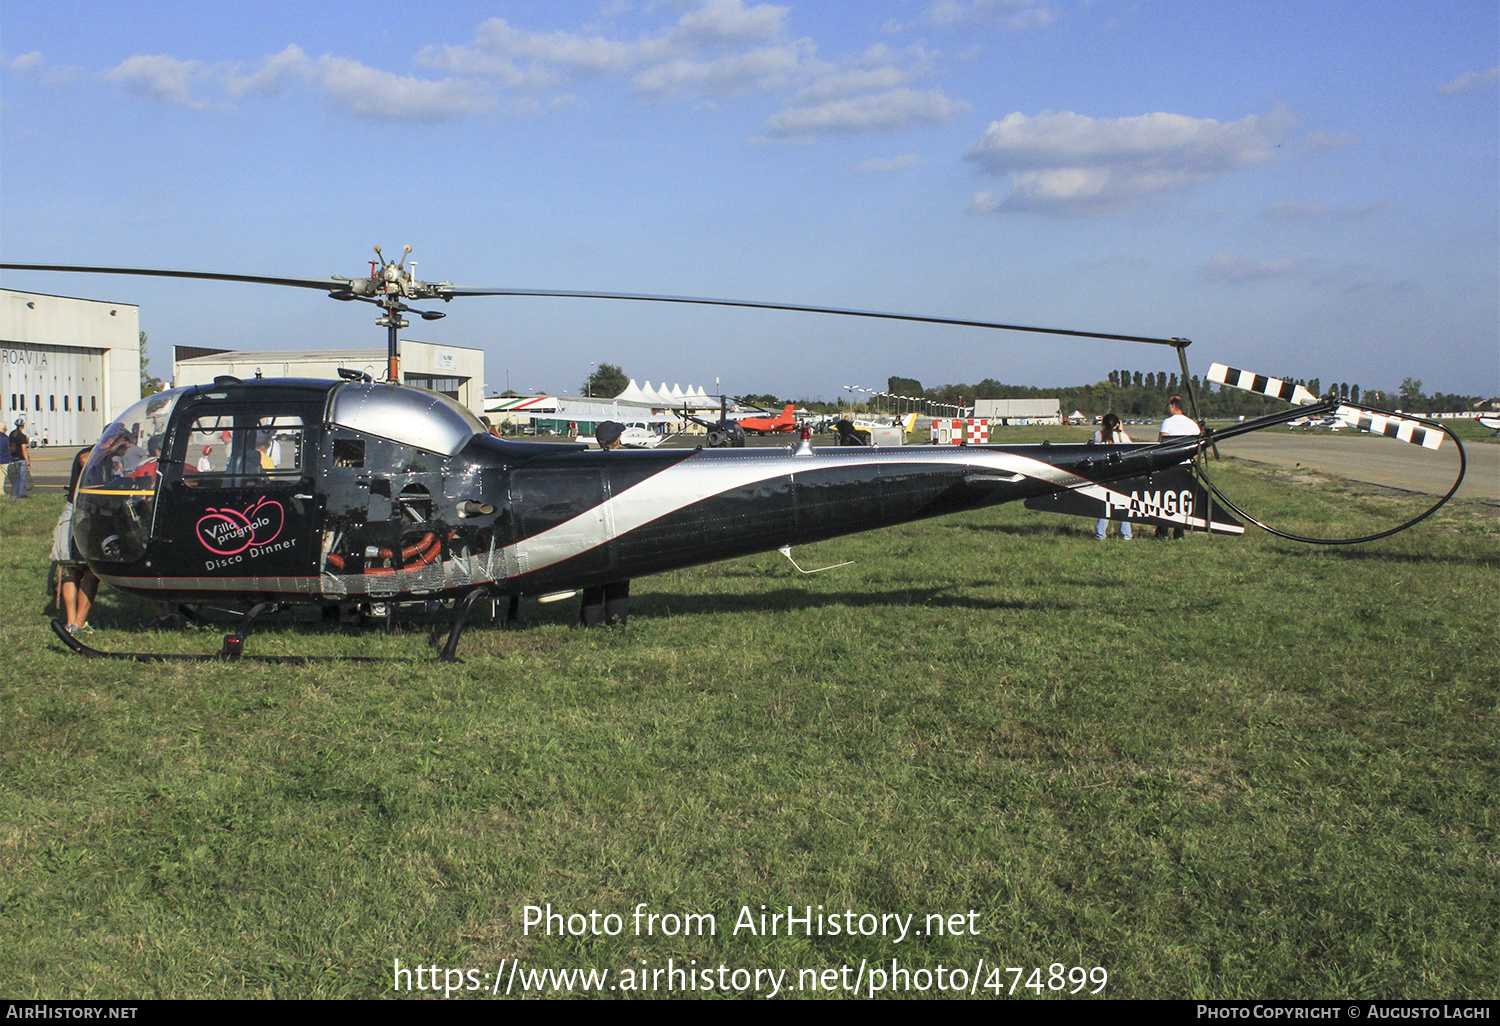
(391, 277)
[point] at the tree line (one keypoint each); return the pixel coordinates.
(1129, 393)
(1133, 393)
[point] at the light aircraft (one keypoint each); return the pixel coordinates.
(637, 437)
(1331, 423)
(783, 423)
(728, 432)
(633, 437)
(356, 493)
(883, 429)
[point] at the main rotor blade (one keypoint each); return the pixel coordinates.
(450, 290)
(325, 284)
(445, 292)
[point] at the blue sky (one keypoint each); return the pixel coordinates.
(1308, 189)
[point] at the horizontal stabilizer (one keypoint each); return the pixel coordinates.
(1391, 426)
(1260, 384)
(1171, 498)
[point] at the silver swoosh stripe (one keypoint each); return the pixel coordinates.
(702, 477)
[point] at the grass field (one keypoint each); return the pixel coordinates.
(1214, 768)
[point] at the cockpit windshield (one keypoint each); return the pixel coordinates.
(117, 492)
(129, 448)
(411, 416)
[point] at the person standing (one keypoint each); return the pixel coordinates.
(263, 452)
(1111, 433)
(606, 604)
(19, 467)
(1177, 425)
(77, 582)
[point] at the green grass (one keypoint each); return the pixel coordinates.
(1217, 768)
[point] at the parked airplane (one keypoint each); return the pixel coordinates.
(785, 422)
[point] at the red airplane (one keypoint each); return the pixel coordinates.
(771, 425)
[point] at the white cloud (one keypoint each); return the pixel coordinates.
(27, 64)
(275, 69)
(894, 110)
(730, 21)
(348, 86)
(878, 165)
(366, 92)
(33, 67)
(161, 78)
(866, 93)
(1225, 267)
(849, 83)
(1071, 163)
(497, 40)
(704, 50)
(1469, 81)
(718, 45)
(764, 68)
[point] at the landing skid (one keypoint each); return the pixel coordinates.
(232, 652)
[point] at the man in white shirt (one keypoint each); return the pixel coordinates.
(1177, 425)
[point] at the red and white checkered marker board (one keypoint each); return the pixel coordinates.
(956, 432)
(947, 432)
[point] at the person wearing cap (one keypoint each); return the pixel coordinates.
(608, 434)
(606, 604)
(19, 467)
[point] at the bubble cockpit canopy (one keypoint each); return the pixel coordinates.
(116, 494)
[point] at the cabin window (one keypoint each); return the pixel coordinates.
(236, 450)
(349, 452)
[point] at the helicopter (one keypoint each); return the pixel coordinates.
(262, 493)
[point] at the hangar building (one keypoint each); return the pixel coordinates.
(1019, 411)
(69, 366)
(455, 371)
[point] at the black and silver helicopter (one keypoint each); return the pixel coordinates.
(258, 493)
